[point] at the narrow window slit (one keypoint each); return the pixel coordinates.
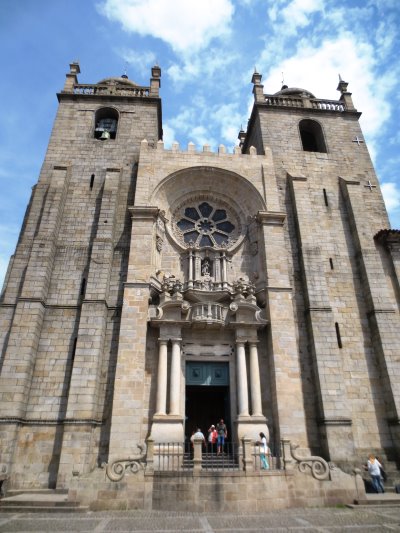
(339, 338)
(74, 348)
(331, 263)
(325, 198)
(91, 181)
(83, 287)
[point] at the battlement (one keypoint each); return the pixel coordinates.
(191, 149)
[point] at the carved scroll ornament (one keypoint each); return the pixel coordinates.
(319, 467)
(116, 470)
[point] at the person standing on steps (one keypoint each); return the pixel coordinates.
(222, 435)
(212, 438)
(263, 451)
(374, 470)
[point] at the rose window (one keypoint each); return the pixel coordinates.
(204, 225)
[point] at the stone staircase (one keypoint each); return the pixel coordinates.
(38, 501)
(213, 462)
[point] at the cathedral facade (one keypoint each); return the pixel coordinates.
(153, 292)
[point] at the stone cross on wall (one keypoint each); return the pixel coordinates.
(370, 186)
(357, 140)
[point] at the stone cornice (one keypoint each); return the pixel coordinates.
(143, 212)
(271, 218)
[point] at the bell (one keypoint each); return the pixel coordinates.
(105, 135)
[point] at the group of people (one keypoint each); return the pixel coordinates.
(216, 437)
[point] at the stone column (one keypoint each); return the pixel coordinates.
(175, 381)
(190, 269)
(224, 273)
(255, 385)
(242, 379)
(161, 401)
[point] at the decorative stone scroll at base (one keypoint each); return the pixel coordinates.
(319, 467)
(117, 469)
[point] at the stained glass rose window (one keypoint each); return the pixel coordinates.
(204, 225)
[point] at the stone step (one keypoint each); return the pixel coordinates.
(388, 498)
(41, 509)
(38, 500)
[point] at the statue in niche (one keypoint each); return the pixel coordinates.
(206, 267)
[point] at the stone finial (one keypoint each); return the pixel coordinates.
(144, 144)
(74, 67)
(221, 149)
(253, 150)
(237, 150)
(241, 136)
(156, 71)
(160, 145)
(257, 87)
(72, 77)
(175, 146)
(155, 81)
(256, 78)
(206, 148)
(345, 95)
(191, 147)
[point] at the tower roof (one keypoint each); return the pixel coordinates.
(117, 80)
(294, 91)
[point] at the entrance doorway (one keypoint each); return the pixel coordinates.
(207, 396)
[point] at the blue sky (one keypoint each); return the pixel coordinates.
(207, 50)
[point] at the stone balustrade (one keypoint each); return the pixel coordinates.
(112, 90)
(313, 103)
(209, 312)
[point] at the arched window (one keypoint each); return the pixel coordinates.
(312, 137)
(106, 123)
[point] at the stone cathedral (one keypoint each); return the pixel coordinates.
(155, 291)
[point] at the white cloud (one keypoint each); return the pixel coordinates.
(316, 69)
(205, 64)
(391, 195)
(141, 62)
(296, 14)
(186, 26)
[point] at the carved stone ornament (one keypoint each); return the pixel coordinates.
(116, 470)
(319, 467)
(160, 231)
(159, 243)
(254, 248)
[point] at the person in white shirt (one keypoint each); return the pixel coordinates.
(374, 470)
(263, 451)
(198, 435)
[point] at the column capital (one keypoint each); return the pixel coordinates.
(163, 341)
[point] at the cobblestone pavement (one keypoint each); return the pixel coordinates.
(362, 520)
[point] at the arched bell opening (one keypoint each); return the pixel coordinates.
(106, 123)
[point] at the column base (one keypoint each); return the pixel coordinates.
(250, 427)
(167, 428)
